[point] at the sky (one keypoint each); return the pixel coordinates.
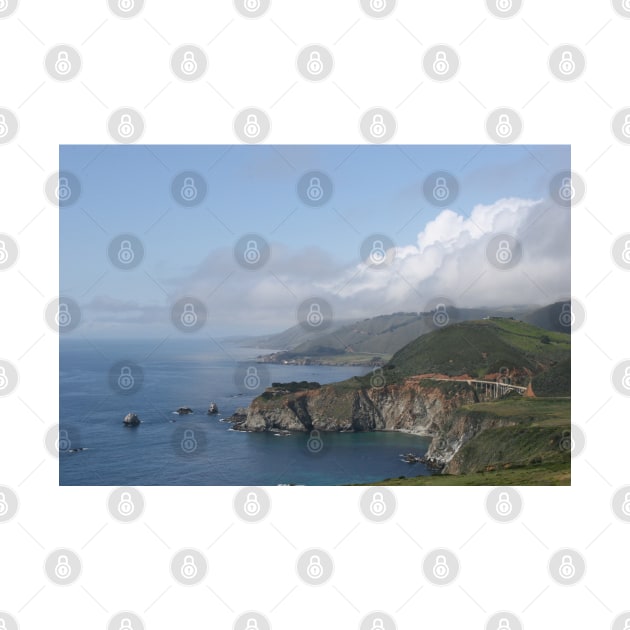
(314, 251)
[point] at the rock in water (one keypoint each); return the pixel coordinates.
(131, 420)
(184, 410)
(213, 408)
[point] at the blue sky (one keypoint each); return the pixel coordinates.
(253, 189)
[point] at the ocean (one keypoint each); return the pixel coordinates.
(199, 449)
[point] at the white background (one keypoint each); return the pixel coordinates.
(252, 63)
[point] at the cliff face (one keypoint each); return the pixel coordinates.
(412, 406)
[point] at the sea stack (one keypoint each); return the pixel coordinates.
(131, 420)
(212, 409)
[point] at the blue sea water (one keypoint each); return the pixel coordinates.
(192, 373)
